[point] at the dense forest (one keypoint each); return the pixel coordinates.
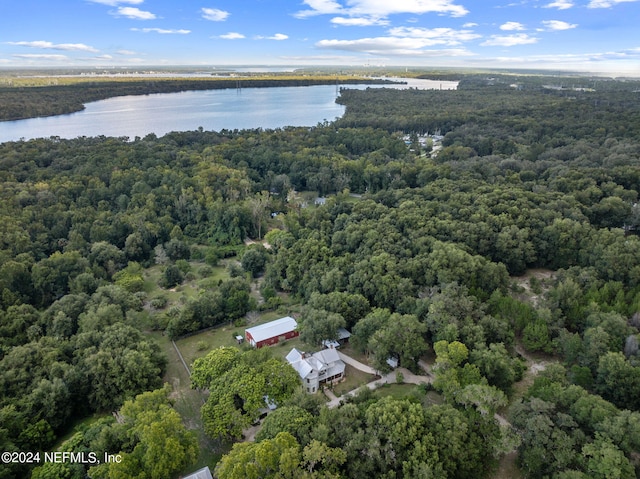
(415, 252)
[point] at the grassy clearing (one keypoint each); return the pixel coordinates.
(283, 348)
(508, 468)
(188, 402)
(433, 398)
(354, 378)
(188, 289)
(200, 344)
(396, 391)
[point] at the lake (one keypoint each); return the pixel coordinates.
(131, 116)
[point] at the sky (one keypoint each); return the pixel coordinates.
(599, 36)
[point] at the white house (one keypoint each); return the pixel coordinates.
(323, 367)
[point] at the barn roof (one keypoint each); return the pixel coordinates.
(272, 329)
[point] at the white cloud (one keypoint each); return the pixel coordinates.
(560, 4)
(232, 36)
(557, 25)
(133, 13)
(435, 36)
(408, 41)
(389, 46)
(607, 3)
(359, 21)
(320, 7)
(277, 36)
(509, 40)
(162, 31)
(469, 25)
(512, 26)
(81, 47)
(37, 56)
(381, 8)
(386, 7)
(113, 3)
(125, 52)
(214, 14)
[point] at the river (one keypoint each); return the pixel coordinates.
(137, 116)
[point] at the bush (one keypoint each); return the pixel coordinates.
(535, 336)
(205, 271)
(132, 282)
(235, 271)
(159, 302)
(212, 256)
(268, 292)
(196, 253)
(272, 303)
(183, 265)
(177, 249)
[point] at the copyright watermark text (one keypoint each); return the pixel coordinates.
(88, 458)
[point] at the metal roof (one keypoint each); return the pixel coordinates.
(272, 329)
(203, 473)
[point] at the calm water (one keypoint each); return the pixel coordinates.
(133, 116)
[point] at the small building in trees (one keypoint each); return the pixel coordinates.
(323, 367)
(204, 473)
(272, 332)
(343, 338)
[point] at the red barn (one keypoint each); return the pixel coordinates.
(271, 333)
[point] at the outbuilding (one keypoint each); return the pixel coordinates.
(204, 473)
(271, 333)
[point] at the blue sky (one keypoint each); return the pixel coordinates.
(585, 35)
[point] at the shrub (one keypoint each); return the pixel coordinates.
(159, 302)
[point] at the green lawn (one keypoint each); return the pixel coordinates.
(396, 391)
(354, 378)
(198, 345)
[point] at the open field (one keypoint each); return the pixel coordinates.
(188, 402)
